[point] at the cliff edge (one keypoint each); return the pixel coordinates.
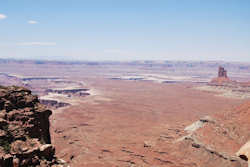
(24, 130)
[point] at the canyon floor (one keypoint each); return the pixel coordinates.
(132, 123)
(138, 115)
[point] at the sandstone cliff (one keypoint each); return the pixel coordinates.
(222, 77)
(24, 130)
(222, 72)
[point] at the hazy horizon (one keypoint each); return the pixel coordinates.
(125, 30)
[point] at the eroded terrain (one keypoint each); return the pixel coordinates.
(137, 114)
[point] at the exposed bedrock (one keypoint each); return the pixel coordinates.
(244, 152)
(79, 91)
(221, 79)
(206, 156)
(54, 103)
(24, 130)
(222, 72)
(204, 149)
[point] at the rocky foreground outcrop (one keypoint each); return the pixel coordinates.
(24, 130)
(224, 141)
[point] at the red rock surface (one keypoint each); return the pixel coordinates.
(222, 77)
(142, 124)
(24, 130)
(139, 123)
(222, 73)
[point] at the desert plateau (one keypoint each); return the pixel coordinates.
(136, 114)
(124, 83)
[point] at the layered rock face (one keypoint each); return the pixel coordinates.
(224, 141)
(222, 78)
(24, 130)
(222, 72)
(53, 104)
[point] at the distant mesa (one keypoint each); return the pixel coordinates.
(222, 73)
(222, 77)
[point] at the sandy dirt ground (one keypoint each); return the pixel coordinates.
(130, 123)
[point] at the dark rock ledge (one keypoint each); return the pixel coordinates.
(24, 130)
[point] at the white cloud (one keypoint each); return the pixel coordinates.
(2, 16)
(32, 22)
(37, 44)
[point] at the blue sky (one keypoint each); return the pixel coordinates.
(125, 29)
